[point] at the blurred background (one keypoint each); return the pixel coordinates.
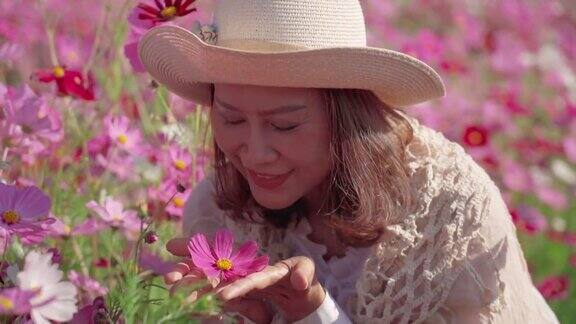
(88, 124)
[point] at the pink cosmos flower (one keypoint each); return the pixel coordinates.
(15, 301)
(529, 219)
(28, 115)
(88, 288)
(555, 287)
(72, 51)
(219, 262)
(122, 133)
(112, 213)
(178, 162)
(59, 229)
(172, 200)
(476, 135)
(516, 177)
(23, 211)
(157, 13)
(569, 146)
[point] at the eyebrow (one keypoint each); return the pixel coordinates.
(277, 110)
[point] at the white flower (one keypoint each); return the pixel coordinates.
(55, 300)
(563, 171)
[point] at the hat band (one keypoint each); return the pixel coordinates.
(255, 45)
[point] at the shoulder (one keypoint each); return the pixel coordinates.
(428, 246)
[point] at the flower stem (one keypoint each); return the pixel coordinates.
(78, 252)
(5, 249)
(97, 37)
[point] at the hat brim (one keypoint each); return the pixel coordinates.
(186, 65)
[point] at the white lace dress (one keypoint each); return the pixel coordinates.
(454, 258)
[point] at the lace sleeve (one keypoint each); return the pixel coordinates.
(495, 285)
(411, 273)
(200, 212)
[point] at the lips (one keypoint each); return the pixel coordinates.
(268, 181)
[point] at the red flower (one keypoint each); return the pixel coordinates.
(102, 263)
(475, 136)
(69, 83)
(554, 287)
(166, 12)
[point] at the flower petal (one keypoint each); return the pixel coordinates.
(251, 266)
(33, 203)
(223, 244)
(247, 251)
(201, 253)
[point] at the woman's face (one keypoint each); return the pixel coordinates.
(278, 138)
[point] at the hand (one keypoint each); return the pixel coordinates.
(185, 274)
(290, 284)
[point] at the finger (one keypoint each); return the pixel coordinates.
(203, 290)
(257, 280)
(302, 271)
(180, 270)
(178, 246)
(253, 309)
(192, 282)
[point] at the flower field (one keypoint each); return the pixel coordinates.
(97, 160)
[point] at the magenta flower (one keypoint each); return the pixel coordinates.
(23, 211)
(159, 13)
(69, 82)
(15, 301)
(219, 262)
(554, 287)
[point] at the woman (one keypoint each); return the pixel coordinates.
(367, 215)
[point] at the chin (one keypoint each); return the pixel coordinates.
(273, 202)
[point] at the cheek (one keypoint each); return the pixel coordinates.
(309, 149)
(228, 140)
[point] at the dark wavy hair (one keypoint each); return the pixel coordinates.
(368, 184)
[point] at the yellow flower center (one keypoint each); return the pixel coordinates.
(67, 230)
(122, 138)
(180, 165)
(224, 264)
(117, 217)
(59, 72)
(178, 202)
(169, 12)
(6, 303)
(10, 217)
(475, 137)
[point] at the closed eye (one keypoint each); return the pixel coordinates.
(233, 122)
(284, 129)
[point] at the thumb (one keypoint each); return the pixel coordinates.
(302, 271)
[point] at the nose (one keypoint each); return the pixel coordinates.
(257, 151)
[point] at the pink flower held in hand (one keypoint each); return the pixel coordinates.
(219, 261)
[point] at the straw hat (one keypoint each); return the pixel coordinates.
(284, 43)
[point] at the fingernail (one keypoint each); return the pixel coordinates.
(172, 277)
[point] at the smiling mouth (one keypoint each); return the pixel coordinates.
(268, 181)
